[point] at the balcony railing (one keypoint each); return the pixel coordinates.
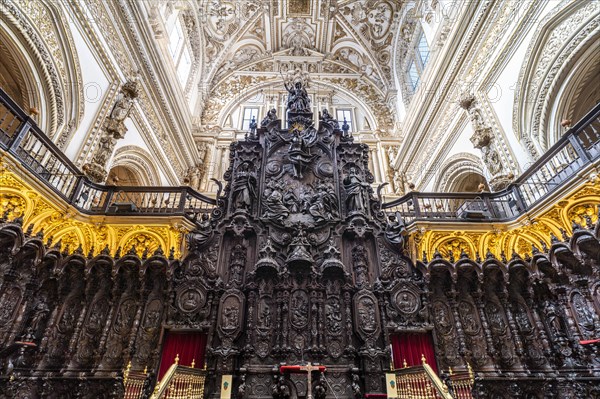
(21, 137)
(575, 151)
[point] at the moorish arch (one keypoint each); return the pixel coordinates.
(462, 172)
(133, 166)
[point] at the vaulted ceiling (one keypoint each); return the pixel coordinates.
(345, 45)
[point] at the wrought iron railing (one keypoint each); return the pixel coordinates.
(21, 137)
(576, 150)
(420, 382)
(181, 382)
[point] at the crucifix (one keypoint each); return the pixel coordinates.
(308, 369)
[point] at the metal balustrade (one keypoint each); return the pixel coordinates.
(576, 150)
(21, 137)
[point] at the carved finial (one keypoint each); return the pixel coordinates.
(49, 242)
(489, 254)
(65, 252)
(534, 249)
(404, 363)
(193, 362)
(527, 257)
(503, 257)
(172, 253)
(118, 253)
(18, 220)
(564, 234)
(90, 254)
(132, 251)
(158, 252)
(450, 371)
(177, 359)
(106, 251)
(515, 255)
(425, 257)
(437, 254)
(544, 246)
(5, 216)
(451, 256)
(145, 370)
(29, 230)
(464, 254)
(575, 226)
(145, 254)
(423, 360)
(58, 245)
(477, 257)
(79, 250)
(40, 234)
(553, 238)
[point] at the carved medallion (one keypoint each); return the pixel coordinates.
(190, 300)
(407, 302)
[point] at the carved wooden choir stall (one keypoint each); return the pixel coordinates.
(297, 263)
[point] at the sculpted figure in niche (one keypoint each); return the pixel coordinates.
(584, 315)
(39, 315)
(334, 315)
(356, 200)
(230, 317)
(264, 318)
(243, 188)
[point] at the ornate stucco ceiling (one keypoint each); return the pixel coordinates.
(344, 45)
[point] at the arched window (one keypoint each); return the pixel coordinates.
(417, 61)
(179, 49)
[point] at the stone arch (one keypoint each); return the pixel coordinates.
(41, 46)
(461, 172)
(136, 164)
(557, 67)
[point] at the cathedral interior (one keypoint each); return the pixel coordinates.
(298, 199)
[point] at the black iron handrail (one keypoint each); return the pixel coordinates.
(578, 148)
(21, 137)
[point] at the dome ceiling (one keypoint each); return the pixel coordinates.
(344, 45)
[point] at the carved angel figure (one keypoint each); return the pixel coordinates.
(298, 100)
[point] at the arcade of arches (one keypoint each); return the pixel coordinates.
(212, 193)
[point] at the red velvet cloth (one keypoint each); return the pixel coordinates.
(189, 346)
(410, 347)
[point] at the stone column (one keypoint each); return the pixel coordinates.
(114, 129)
(483, 139)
